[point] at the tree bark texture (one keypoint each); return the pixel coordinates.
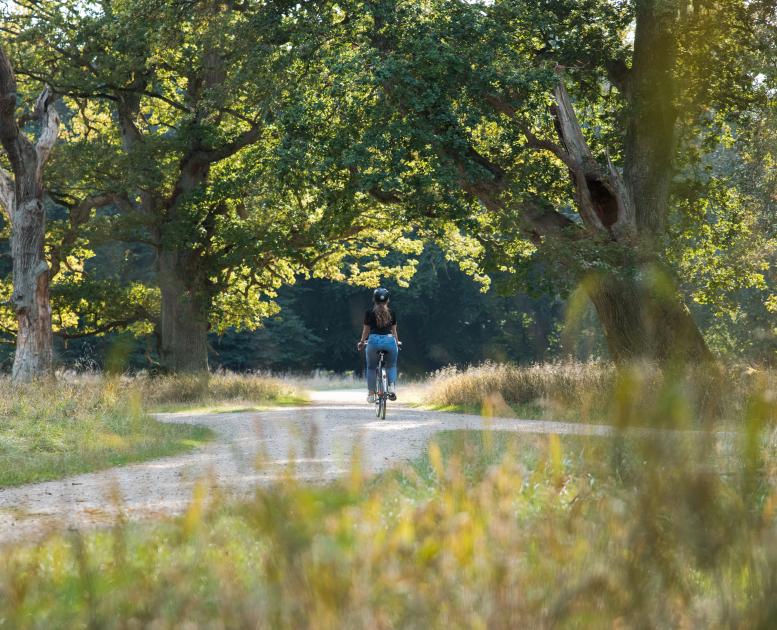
(643, 320)
(641, 310)
(184, 317)
(185, 300)
(21, 194)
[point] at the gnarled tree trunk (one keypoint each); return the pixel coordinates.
(22, 197)
(640, 308)
(645, 318)
(30, 298)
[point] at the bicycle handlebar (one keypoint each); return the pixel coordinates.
(361, 344)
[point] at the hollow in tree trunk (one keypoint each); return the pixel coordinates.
(640, 307)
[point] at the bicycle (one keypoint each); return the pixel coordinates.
(381, 383)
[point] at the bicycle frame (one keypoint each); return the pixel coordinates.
(381, 383)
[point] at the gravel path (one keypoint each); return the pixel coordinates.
(316, 442)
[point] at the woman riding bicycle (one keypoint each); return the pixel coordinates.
(380, 333)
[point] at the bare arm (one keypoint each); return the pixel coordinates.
(394, 332)
(365, 334)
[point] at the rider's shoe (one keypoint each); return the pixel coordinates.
(371, 398)
(392, 392)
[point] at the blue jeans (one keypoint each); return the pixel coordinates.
(381, 342)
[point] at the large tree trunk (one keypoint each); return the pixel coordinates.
(645, 319)
(30, 298)
(639, 306)
(643, 314)
(22, 198)
(184, 319)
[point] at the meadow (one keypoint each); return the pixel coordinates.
(672, 527)
(597, 391)
(81, 423)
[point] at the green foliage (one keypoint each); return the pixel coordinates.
(149, 89)
(376, 128)
(724, 238)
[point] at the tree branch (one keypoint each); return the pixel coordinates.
(78, 215)
(99, 330)
(570, 133)
(619, 75)
(230, 148)
(547, 145)
(16, 145)
(501, 105)
(65, 90)
(44, 109)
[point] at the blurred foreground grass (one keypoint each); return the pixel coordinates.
(486, 530)
(82, 423)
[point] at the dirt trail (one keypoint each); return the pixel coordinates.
(250, 448)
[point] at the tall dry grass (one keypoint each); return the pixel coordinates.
(593, 391)
(217, 387)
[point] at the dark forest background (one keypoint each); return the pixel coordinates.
(445, 318)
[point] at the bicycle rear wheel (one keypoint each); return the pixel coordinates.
(382, 408)
(379, 392)
(384, 391)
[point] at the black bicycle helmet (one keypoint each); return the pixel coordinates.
(380, 295)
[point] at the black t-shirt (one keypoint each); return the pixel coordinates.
(371, 321)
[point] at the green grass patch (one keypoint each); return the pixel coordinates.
(52, 430)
